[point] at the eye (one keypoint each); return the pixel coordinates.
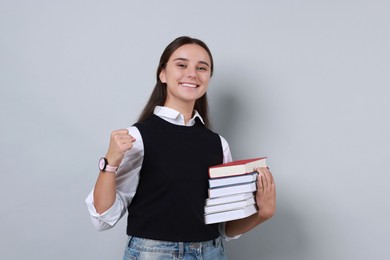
(181, 65)
(202, 68)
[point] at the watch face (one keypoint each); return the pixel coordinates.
(102, 163)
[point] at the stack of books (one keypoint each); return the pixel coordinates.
(231, 190)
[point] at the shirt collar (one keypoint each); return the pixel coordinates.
(175, 117)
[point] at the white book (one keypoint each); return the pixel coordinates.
(249, 177)
(228, 198)
(229, 206)
(230, 215)
(232, 189)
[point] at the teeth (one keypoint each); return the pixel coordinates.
(188, 85)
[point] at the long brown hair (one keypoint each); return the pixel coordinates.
(159, 93)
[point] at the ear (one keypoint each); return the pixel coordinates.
(162, 76)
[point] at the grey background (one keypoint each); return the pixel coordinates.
(305, 83)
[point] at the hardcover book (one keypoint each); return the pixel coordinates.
(217, 182)
(236, 167)
(228, 199)
(230, 215)
(229, 206)
(232, 189)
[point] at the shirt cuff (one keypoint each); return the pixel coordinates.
(107, 219)
(223, 234)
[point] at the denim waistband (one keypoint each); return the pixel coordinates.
(151, 245)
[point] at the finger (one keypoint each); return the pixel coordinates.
(122, 137)
(126, 143)
(260, 184)
(118, 133)
(272, 178)
(259, 178)
(271, 189)
(121, 131)
(125, 138)
(269, 175)
(264, 177)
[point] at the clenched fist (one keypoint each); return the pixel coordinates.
(120, 142)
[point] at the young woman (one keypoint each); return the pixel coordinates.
(157, 169)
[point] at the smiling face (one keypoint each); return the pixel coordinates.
(186, 74)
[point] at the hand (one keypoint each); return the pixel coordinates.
(266, 194)
(120, 142)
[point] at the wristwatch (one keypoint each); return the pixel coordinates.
(104, 167)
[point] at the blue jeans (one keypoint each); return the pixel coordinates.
(147, 249)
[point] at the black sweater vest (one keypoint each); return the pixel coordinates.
(170, 198)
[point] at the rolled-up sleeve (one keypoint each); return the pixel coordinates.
(127, 178)
(223, 233)
(109, 218)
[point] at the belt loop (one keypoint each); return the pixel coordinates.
(129, 240)
(181, 250)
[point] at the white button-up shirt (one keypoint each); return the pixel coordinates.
(128, 173)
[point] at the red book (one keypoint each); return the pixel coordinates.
(237, 167)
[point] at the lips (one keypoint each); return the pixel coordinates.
(189, 85)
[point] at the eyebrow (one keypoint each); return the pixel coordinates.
(184, 59)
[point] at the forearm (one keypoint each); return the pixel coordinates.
(241, 226)
(265, 200)
(105, 192)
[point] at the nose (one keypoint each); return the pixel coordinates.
(191, 72)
